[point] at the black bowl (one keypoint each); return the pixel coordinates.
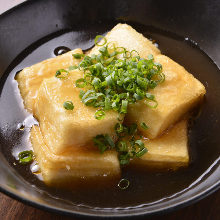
(186, 31)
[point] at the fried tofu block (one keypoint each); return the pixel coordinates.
(124, 35)
(61, 128)
(168, 151)
(178, 94)
(78, 164)
(30, 78)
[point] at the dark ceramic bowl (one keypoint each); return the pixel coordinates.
(187, 31)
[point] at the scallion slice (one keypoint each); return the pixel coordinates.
(144, 126)
(122, 146)
(150, 96)
(25, 157)
(109, 141)
(68, 105)
(132, 129)
(80, 83)
(123, 184)
(72, 67)
(61, 74)
(98, 39)
(120, 117)
(119, 128)
(99, 141)
(99, 115)
(78, 55)
(141, 152)
(124, 106)
(140, 144)
(151, 103)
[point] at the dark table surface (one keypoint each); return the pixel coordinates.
(207, 209)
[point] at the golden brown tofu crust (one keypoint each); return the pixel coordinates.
(169, 150)
(30, 78)
(178, 94)
(123, 35)
(74, 165)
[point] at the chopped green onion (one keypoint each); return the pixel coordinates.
(96, 82)
(134, 51)
(162, 78)
(61, 74)
(141, 152)
(68, 105)
(115, 78)
(144, 126)
(132, 129)
(109, 141)
(72, 67)
(120, 50)
(124, 106)
(104, 51)
(119, 128)
(81, 93)
(98, 39)
(150, 96)
(140, 144)
(153, 84)
(150, 57)
(107, 103)
(127, 54)
(80, 83)
(124, 159)
(78, 55)
(158, 65)
(120, 117)
(25, 156)
(122, 146)
(99, 115)
(151, 103)
(99, 141)
(123, 184)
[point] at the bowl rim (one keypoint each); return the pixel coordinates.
(161, 211)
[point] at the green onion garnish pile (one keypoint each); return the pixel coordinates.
(127, 145)
(114, 79)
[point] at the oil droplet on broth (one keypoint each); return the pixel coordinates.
(28, 122)
(61, 50)
(20, 126)
(24, 143)
(18, 72)
(35, 169)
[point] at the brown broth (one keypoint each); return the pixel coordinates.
(145, 186)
